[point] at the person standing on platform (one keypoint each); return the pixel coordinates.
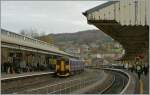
(27, 67)
(6, 66)
(10, 67)
(38, 66)
(139, 70)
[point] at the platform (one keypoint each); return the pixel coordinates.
(27, 74)
(144, 88)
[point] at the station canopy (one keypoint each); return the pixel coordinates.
(126, 21)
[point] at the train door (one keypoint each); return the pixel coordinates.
(67, 67)
(58, 66)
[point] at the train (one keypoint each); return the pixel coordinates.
(69, 66)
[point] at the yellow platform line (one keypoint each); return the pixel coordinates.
(141, 87)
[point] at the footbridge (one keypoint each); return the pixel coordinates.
(126, 21)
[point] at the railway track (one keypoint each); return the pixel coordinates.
(46, 84)
(115, 83)
(66, 85)
(118, 84)
(18, 83)
(42, 83)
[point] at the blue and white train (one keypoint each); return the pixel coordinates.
(69, 66)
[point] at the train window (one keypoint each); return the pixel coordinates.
(58, 62)
(11, 54)
(67, 62)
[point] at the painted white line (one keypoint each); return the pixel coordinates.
(26, 75)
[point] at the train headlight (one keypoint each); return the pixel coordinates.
(67, 67)
(57, 67)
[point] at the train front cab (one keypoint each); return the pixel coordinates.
(62, 67)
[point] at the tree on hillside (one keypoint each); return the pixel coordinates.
(34, 33)
(47, 39)
(30, 33)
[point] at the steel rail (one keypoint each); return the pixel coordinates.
(125, 86)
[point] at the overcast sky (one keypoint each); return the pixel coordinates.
(46, 16)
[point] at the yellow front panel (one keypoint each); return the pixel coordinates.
(68, 67)
(62, 66)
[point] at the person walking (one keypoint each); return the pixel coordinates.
(139, 70)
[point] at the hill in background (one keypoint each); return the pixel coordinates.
(95, 40)
(81, 37)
